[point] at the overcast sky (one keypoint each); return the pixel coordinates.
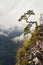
(10, 10)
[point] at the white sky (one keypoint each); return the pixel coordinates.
(11, 10)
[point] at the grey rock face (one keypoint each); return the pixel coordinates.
(36, 55)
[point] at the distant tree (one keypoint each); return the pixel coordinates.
(41, 18)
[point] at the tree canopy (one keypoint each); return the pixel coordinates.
(25, 17)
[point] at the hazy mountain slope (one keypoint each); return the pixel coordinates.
(8, 50)
(8, 47)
